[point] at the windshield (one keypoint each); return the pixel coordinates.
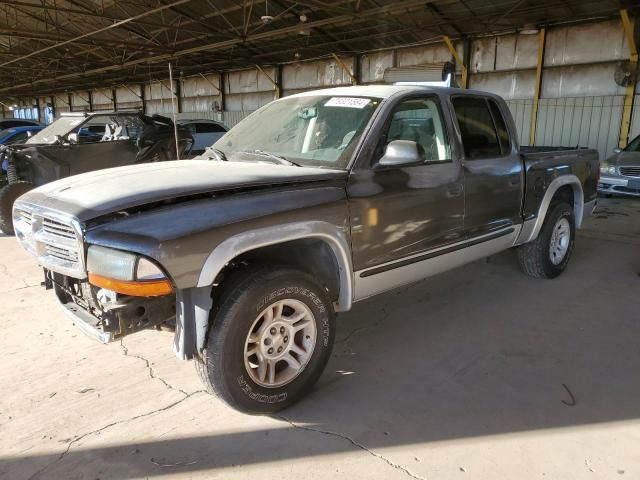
(317, 130)
(61, 127)
(634, 146)
(92, 129)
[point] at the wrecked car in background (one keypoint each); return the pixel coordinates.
(84, 142)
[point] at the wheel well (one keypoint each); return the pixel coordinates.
(564, 194)
(311, 255)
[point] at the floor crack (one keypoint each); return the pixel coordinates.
(150, 369)
(113, 424)
(356, 444)
(5, 270)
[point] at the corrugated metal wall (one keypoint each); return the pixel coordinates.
(158, 97)
(102, 99)
(61, 103)
(129, 97)
(580, 102)
(248, 90)
(300, 77)
(635, 119)
(201, 94)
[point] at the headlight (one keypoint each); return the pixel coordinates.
(610, 169)
(126, 273)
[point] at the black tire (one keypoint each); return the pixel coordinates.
(8, 195)
(241, 300)
(534, 257)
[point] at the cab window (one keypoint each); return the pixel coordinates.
(478, 132)
(419, 120)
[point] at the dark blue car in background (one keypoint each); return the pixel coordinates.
(15, 135)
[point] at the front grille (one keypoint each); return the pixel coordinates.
(56, 228)
(26, 217)
(630, 171)
(54, 238)
(61, 253)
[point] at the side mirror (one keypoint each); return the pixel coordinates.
(401, 153)
(617, 150)
(72, 138)
(29, 133)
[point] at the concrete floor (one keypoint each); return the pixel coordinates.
(460, 376)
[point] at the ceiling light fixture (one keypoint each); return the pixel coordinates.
(266, 18)
(529, 29)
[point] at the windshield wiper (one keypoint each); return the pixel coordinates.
(279, 158)
(219, 154)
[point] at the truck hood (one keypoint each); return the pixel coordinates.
(94, 194)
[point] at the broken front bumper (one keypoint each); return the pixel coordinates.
(618, 184)
(106, 316)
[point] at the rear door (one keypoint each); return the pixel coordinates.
(493, 172)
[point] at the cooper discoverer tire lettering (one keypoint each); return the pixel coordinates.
(271, 335)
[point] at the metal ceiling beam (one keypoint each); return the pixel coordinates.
(36, 35)
(100, 30)
(88, 13)
(338, 20)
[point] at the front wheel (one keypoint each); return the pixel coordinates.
(548, 255)
(270, 339)
(8, 195)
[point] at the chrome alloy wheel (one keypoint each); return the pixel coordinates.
(280, 343)
(560, 241)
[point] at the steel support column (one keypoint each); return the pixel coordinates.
(463, 68)
(354, 79)
(143, 99)
(542, 36)
(630, 93)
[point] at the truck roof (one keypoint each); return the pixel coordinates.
(386, 91)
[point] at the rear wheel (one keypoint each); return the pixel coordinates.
(269, 341)
(548, 255)
(8, 195)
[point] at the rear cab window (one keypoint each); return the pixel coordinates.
(482, 127)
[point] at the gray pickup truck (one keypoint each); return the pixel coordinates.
(312, 203)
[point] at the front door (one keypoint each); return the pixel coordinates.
(400, 212)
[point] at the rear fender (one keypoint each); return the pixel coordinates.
(531, 228)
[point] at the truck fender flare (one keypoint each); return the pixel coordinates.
(531, 228)
(243, 242)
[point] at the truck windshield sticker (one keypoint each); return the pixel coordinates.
(348, 102)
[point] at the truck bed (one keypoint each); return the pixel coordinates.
(542, 164)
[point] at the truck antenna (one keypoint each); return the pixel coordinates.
(173, 111)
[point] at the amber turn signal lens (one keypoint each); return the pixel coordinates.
(145, 288)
